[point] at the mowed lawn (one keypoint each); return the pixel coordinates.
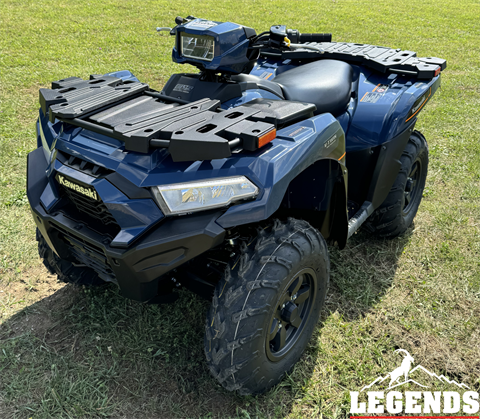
(72, 352)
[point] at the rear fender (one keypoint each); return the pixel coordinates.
(377, 118)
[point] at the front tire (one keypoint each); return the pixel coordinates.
(397, 212)
(266, 307)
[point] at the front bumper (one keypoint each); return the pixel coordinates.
(138, 268)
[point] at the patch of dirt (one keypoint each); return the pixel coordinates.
(35, 282)
(18, 298)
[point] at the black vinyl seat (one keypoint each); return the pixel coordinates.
(325, 83)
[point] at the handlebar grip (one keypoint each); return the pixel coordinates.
(315, 37)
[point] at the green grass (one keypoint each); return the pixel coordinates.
(67, 352)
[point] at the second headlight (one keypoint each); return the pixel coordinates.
(201, 47)
(202, 195)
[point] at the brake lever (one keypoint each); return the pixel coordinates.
(179, 21)
(303, 46)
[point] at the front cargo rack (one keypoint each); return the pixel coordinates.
(144, 119)
(380, 59)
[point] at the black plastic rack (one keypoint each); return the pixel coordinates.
(381, 59)
(143, 119)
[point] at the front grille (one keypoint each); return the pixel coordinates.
(82, 208)
(89, 255)
(90, 206)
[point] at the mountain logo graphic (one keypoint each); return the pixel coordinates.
(384, 395)
(404, 370)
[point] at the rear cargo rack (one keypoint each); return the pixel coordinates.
(143, 119)
(380, 59)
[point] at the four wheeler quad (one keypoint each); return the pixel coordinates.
(229, 181)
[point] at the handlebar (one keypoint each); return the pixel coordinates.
(315, 37)
(280, 35)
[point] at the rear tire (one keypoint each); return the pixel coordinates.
(64, 269)
(266, 307)
(397, 212)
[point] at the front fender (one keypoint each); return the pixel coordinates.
(302, 144)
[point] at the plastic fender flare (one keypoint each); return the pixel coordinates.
(387, 167)
(338, 226)
(319, 194)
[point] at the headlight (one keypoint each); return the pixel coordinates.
(188, 197)
(200, 47)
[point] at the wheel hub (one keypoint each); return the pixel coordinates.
(408, 186)
(291, 314)
(411, 190)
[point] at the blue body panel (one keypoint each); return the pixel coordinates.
(123, 74)
(247, 96)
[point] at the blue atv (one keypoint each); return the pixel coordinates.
(230, 181)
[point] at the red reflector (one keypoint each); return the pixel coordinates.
(266, 138)
(437, 71)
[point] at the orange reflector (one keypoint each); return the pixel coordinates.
(437, 71)
(266, 138)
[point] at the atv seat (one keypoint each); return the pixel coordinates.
(325, 83)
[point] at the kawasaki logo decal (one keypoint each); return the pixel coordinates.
(84, 190)
(419, 104)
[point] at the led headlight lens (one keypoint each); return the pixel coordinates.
(200, 47)
(188, 197)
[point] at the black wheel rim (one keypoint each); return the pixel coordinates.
(291, 314)
(412, 188)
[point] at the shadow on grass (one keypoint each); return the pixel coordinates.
(362, 273)
(92, 353)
